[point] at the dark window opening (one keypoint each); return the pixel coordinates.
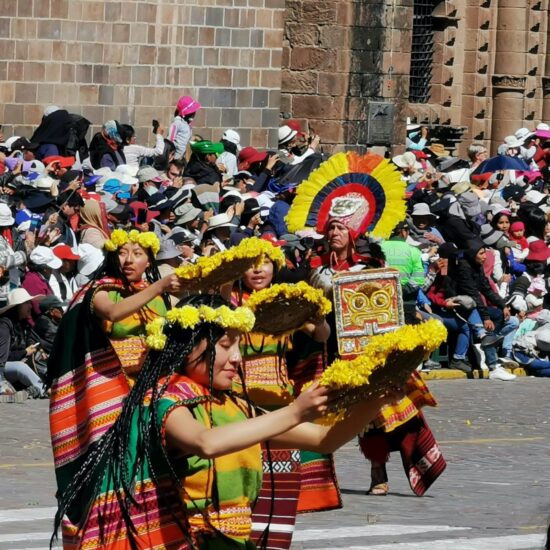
(422, 52)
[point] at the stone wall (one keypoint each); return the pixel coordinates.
(131, 60)
(334, 58)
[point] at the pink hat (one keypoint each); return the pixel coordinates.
(517, 226)
(187, 105)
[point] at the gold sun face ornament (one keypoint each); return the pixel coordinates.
(366, 303)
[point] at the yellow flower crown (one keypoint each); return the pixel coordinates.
(355, 373)
(188, 317)
(119, 238)
(251, 249)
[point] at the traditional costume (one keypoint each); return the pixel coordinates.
(367, 196)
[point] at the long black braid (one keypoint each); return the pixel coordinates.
(109, 458)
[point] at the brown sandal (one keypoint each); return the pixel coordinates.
(381, 489)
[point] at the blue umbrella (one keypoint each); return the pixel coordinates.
(502, 162)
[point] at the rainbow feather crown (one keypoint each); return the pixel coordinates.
(366, 193)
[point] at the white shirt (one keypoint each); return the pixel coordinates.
(134, 153)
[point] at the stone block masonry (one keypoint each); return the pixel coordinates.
(131, 60)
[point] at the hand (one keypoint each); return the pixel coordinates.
(239, 208)
(507, 313)
(74, 184)
(271, 161)
(208, 214)
(424, 132)
(160, 130)
(506, 278)
(32, 349)
(221, 167)
(231, 211)
(18, 167)
(165, 229)
(312, 403)
(451, 304)
(177, 182)
(433, 238)
(315, 142)
(30, 239)
(2, 155)
(170, 284)
(254, 221)
(489, 325)
(52, 166)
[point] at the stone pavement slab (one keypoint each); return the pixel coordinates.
(494, 494)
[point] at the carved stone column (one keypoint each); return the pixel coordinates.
(510, 68)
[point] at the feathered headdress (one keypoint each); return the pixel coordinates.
(365, 193)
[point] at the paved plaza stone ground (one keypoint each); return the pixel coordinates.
(495, 493)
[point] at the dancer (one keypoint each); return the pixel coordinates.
(268, 385)
(100, 347)
(347, 197)
(181, 466)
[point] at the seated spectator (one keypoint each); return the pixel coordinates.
(106, 147)
(287, 146)
(227, 161)
(202, 165)
(93, 229)
(13, 252)
(42, 261)
(51, 312)
(52, 134)
(16, 349)
(531, 346)
(219, 231)
(497, 318)
(134, 153)
(250, 220)
(63, 280)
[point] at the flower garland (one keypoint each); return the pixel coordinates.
(355, 373)
(119, 238)
(297, 291)
(254, 249)
(188, 317)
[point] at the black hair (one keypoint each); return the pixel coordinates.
(70, 198)
(497, 217)
(127, 132)
(161, 162)
(180, 164)
(534, 219)
(109, 456)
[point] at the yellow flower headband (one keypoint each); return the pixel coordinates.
(119, 238)
(188, 317)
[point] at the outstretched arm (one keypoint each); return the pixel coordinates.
(326, 439)
(191, 437)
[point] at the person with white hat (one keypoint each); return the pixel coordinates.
(16, 349)
(287, 141)
(219, 231)
(412, 140)
(13, 251)
(42, 261)
(227, 161)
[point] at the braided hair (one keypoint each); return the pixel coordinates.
(109, 458)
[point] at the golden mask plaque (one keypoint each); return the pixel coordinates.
(366, 303)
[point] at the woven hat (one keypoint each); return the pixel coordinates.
(439, 150)
(406, 160)
(286, 134)
(220, 220)
(17, 297)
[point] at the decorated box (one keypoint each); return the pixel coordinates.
(366, 303)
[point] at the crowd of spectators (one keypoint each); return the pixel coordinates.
(472, 251)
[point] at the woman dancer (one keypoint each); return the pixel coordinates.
(100, 347)
(181, 466)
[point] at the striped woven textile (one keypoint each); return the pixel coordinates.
(319, 488)
(274, 515)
